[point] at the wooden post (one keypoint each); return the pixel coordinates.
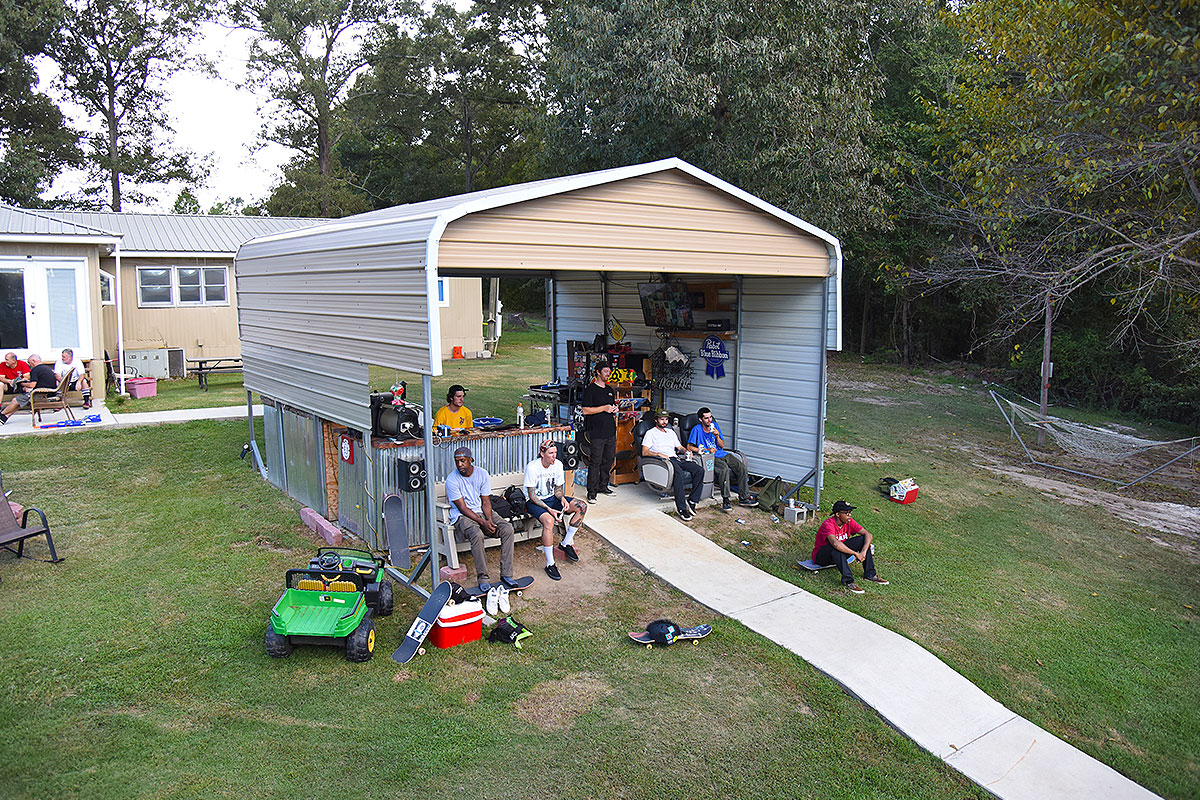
(332, 456)
(1046, 368)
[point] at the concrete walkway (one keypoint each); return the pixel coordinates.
(185, 415)
(21, 424)
(913, 690)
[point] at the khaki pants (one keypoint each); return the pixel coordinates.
(475, 535)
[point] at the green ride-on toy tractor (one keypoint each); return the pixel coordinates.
(322, 606)
(378, 588)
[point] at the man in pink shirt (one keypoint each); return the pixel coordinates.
(840, 537)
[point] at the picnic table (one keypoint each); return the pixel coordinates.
(203, 367)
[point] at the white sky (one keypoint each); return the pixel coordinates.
(210, 116)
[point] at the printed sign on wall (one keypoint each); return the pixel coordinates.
(715, 355)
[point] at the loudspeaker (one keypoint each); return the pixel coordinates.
(413, 475)
(568, 454)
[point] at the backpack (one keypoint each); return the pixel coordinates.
(509, 631)
(770, 495)
(516, 501)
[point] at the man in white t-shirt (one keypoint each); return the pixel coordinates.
(547, 502)
(469, 491)
(662, 441)
(68, 364)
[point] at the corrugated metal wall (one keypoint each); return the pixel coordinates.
(334, 389)
(779, 387)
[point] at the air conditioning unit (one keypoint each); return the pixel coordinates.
(176, 364)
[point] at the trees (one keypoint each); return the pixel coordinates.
(1065, 160)
(114, 55)
(449, 107)
(774, 98)
(35, 141)
(304, 56)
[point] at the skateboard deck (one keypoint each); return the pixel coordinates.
(813, 566)
(423, 624)
(477, 592)
(396, 530)
(692, 634)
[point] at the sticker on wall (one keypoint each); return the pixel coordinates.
(615, 331)
(715, 355)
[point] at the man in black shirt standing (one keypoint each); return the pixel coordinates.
(600, 424)
(41, 376)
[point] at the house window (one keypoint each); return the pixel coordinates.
(443, 293)
(108, 295)
(183, 286)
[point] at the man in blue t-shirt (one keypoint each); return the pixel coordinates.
(707, 436)
(469, 491)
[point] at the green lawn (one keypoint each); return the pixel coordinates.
(224, 389)
(136, 667)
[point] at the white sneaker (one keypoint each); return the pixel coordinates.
(502, 600)
(493, 600)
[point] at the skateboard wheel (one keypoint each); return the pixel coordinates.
(695, 641)
(420, 651)
(649, 647)
(520, 593)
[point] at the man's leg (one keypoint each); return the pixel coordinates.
(504, 530)
(856, 543)
(827, 555)
(697, 472)
(721, 477)
(737, 471)
(470, 528)
(680, 478)
(596, 453)
(606, 462)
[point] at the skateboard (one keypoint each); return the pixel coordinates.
(694, 634)
(396, 530)
(813, 566)
(422, 625)
(477, 592)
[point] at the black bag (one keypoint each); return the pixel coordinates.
(509, 631)
(500, 506)
(516, 501)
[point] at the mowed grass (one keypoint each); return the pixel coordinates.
(136, 667)
(224, 389)
(1071, 618)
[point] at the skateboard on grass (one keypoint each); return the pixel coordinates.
(396, 530)
(477, 592)
(693, 634)
(423, 624)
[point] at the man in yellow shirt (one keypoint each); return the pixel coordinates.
(454, 414)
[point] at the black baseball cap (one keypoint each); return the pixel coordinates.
(842, 505)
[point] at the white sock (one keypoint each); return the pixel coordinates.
(570, 537)
(549, 551)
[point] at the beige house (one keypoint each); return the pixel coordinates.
(103, 283)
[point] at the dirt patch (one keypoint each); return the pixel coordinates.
(555, 705)
(836, 451)
(263, 543)
(1173, 518)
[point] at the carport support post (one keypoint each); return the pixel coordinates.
(435, 561)
(254, 454)
(822, 394)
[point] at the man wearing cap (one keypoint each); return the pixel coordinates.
(662, 441)
(468, 489)
(454, 414)
(548, 503)
(600, 424)
(840, 537)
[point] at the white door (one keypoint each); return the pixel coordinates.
(44, 307)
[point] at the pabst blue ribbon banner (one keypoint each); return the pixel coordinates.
(715, 355)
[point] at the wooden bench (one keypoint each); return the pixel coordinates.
(525, 527)
(13, 533)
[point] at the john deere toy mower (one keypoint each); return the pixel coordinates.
(321, 606)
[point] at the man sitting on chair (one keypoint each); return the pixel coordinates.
(545, 488)
(662, 441)
(706, 435)
(840, 537)
(454, 414)
(41, 376)
(69, 365)
(12, 371)
(469, 491)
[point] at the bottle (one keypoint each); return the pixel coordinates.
(520, 415)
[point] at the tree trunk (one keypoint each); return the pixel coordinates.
(1045, 398)
(862, 331)
(466, 135)
(324, 160)
(113, 165)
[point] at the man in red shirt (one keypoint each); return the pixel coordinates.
(11, 371)
(840, 537)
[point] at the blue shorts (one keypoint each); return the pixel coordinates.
(555, 502)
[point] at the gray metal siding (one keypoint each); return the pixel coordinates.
(273, 435)
(179, 233)
(833, 341)
(304, 458)
(779, 387)
(297, 379)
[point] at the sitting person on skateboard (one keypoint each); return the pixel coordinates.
(454, 415)
(545, 488)
(468, 489)
(840, 537)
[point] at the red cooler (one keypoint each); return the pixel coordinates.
(458, 623)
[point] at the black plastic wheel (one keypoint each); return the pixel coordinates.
(277, 646)
(387, 600)
(360, 645)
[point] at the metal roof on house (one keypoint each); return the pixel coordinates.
(149, 234)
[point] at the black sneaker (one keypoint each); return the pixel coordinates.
(592, 499)
(569, 551)
(607, 490)
(687, 516)
(552, 571)
(3, 420)
(749, 502)
(691, 506)
(509, 583)
(727, 506)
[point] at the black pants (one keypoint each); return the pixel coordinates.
(600, 464)
(827, 555)
(682, 470)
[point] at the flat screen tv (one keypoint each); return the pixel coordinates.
(666, 305)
